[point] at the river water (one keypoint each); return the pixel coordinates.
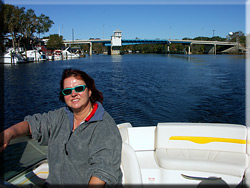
(142, 89)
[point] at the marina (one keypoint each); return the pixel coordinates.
(38, 54)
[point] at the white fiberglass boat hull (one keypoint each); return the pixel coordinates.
(69, 55)
(35, 55)
(192, 154)
(11, 58)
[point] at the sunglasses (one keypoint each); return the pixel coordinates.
(78, 89)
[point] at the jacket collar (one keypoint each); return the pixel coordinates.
(97, 116)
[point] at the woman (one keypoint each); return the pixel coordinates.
(84, 143)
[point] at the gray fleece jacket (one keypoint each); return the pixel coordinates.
(93, 149)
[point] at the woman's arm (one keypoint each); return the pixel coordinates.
(96, 182)
(19, 129)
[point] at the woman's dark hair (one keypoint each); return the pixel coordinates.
(80, 75)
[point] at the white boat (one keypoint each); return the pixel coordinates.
(35, 55)
(57, 55)
(67, 54)
(50, 57)
(11, 57)
(193, 154)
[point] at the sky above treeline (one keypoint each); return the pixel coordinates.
(144, 19)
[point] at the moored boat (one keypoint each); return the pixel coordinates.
(35, 55)
(11, 57)
(50, 57)
(193, 154)
(57, 55)
(67, 54)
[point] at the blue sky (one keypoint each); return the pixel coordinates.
(145, 19)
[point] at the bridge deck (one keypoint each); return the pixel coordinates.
(107, 42)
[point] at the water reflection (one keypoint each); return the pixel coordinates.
(116, 58)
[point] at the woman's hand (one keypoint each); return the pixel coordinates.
(19, 129)
(5, 138)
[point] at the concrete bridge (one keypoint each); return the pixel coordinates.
(89, 42)
(116, 42)
(211, 45)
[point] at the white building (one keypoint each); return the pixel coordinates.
(116, 42)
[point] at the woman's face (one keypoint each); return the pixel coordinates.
(76, 101)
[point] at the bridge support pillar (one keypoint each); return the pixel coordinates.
(115, 50)
(168, 49)
(90, 48)
(189, 49)
(210, 49)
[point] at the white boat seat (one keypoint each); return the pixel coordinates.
(202, 147)
(130, 166)
(247, 171)
(160, 154)
(230, 163)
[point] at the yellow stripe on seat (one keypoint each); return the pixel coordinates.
(205, 140)
(28, 179)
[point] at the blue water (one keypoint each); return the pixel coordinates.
(138, 88)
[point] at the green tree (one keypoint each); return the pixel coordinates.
(12, 22)
(21, 25)
(32, 24)
(55, 41)
(29, 22)
(98, 48)
(237, 36)
(85, 47)
(217, 38)
(43, 24)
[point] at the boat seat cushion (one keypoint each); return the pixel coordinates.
(130, 166)
(231, 163)
(202, 136)
(218, 148)
(142, 138)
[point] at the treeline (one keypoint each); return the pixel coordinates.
(180, 48)
(22, 25)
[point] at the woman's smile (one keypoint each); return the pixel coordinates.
(77, 101)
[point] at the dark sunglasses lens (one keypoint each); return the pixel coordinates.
(79, 88)
(67, 91)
